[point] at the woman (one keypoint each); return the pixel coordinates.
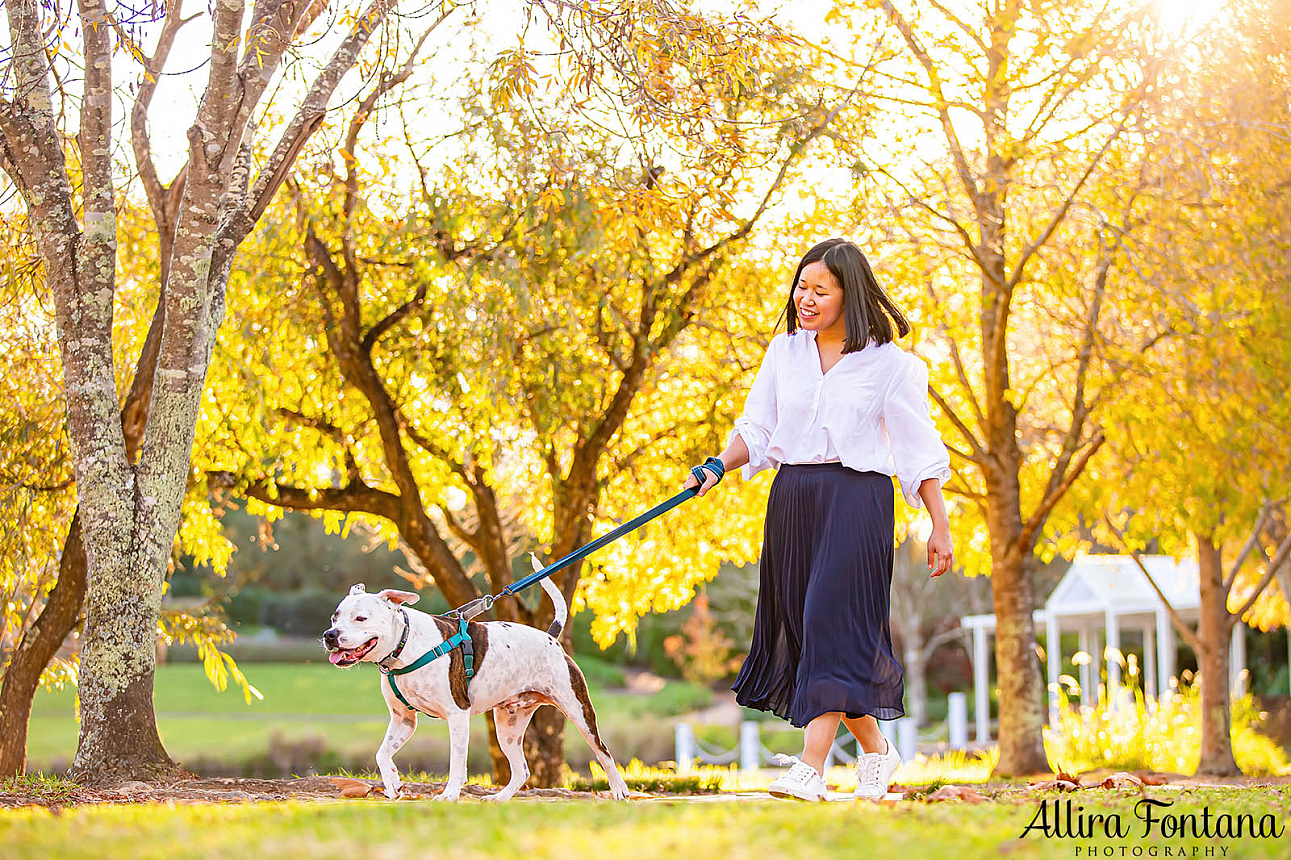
(838, 408)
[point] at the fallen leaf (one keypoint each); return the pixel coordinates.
(351, 787)
(955, 792)
(1150, 778)
(1121, 779)
(1056, 785)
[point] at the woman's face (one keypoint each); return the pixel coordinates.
(818, 298)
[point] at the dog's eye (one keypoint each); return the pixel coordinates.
(361, 618)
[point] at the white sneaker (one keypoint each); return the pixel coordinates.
(801, 782)
(874, 773)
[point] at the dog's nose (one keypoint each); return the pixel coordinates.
(329, 637)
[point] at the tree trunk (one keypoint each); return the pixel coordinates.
(63, 608)
(1021, 687)
(38, 646)
(118, 738)
(1021, 691)
(544, 748)
(1214, 629)
(501, 767)
(916, 679)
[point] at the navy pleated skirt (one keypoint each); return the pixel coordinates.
(821, 641)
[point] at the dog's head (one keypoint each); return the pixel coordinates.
(365, 626)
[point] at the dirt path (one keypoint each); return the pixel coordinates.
(347, 790)
(236, 790)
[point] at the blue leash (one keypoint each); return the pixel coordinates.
(462, 639)
(483, 604)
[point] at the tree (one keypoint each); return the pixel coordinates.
(1201, 433)
(131, 474)
(200, 217)
(509, 359)
(1008, 160)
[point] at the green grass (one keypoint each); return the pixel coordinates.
(643, 830)
(48, 789)
(308, 705)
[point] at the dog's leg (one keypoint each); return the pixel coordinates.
(576, 704)
(511, 723)
(401, 728)
(459, 735)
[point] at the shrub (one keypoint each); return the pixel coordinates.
(1162, 735)
(243, 606)
(701, 651)
(303, 613)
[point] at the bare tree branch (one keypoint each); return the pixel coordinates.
(1189, 635)
(934, 82)
(980, 455)
(1252, 542)
(352, 497)
(1051, 498)
(1270, 571)
(306, 121)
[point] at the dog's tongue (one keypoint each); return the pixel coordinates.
(336, 656)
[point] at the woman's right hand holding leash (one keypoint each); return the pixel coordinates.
(706, 475)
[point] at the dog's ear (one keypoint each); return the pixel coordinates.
(358, 589)
(395, 596)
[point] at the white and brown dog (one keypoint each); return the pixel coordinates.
(518, 669)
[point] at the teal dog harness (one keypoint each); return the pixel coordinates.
(460, 639)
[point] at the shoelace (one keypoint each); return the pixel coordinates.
(799, 770)
(870, 769)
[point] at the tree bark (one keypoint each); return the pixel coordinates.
(63, 608)
(1021, 691)
(1214, 629)
(544, 748)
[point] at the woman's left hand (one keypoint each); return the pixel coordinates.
(940, 554)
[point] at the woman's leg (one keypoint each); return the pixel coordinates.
(867, 734)
(817, 738)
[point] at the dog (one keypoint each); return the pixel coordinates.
(518, 669)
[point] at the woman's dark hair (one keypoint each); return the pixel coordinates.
(868, 311)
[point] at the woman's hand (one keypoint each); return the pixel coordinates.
(711, 477)
(940, 554)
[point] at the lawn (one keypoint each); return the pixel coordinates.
(336, 717)
(640, 830)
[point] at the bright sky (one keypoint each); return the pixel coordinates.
(176, 99)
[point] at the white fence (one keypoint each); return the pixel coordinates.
(751, 753)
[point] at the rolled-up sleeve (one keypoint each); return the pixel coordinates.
(917, 450)
(758, 422)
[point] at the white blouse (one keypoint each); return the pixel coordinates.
(870, 412)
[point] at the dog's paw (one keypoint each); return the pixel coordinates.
(450, 797)
(394, 793)
(497, 797)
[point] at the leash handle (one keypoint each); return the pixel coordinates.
(609, 537)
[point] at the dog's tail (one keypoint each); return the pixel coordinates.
(558, 601)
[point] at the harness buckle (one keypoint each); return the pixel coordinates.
(470, 610)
